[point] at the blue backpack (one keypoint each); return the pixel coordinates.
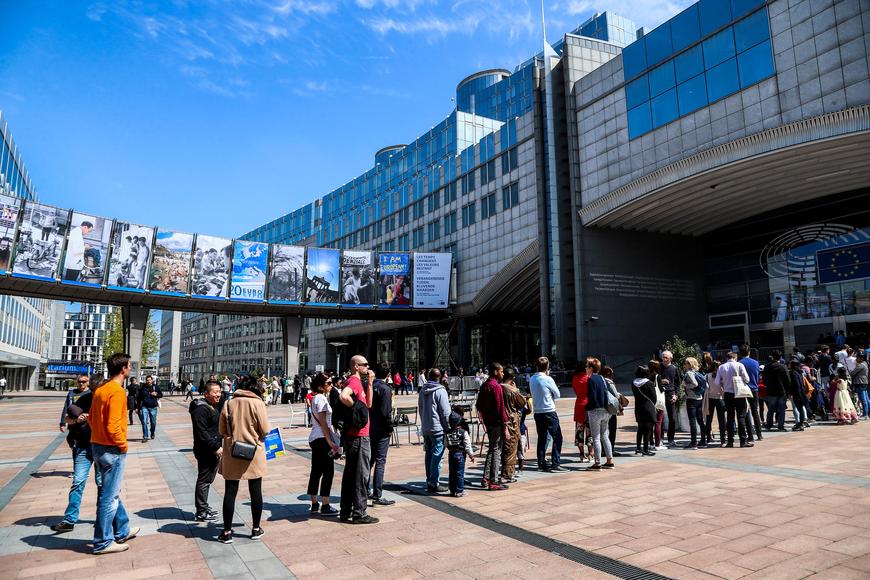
(702, 382)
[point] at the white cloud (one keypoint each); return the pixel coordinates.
(514, 18)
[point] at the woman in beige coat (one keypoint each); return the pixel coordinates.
(243, 419)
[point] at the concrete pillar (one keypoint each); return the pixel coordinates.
(135, 319)
(291, 329)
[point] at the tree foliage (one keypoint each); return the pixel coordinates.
(682, 350)
(115, 337)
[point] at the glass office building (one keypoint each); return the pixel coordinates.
(24, 322)
(703, 179)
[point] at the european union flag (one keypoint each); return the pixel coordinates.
(844, 263)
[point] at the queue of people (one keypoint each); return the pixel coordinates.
(352, 418)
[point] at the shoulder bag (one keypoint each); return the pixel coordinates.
(741, 389)
(660, 396)
(240, 449)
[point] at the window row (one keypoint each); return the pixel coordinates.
(683, 30)
(729, 61)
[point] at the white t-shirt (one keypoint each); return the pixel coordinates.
(318, 405)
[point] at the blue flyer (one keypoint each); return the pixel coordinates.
(274, 444)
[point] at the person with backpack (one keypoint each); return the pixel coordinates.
(459, 449)
(695, 384)
(355, 402)
(644, 410)
(776, 383)
(493, 414)
(381, 416)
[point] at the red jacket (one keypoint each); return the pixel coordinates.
(580, 384)
(490, 403)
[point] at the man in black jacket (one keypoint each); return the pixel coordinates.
(207, 446)
(776, 381)
(148, 402)
(380, 430)
(670, 380)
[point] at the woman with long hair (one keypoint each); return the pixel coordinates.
(244, 420)
(324, 446)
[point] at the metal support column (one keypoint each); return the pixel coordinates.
(135, 318)
(291, 327)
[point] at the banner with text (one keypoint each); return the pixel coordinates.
(432, 279)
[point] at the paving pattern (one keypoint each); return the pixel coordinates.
(795, 506)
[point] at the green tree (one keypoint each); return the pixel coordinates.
(682, 350)
(114, 341)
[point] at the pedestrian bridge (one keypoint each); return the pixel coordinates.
(75, 255)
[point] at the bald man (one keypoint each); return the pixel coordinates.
(357, 446)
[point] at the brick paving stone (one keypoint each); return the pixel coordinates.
(653, 556)
(853, 546)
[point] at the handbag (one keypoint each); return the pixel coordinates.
(660, 397)
(240, 449)
(741, 389)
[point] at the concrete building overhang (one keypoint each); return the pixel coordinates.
(775, 168)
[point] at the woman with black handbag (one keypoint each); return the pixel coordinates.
(244, 424)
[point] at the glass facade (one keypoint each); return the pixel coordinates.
(14, 179)
(710, 50)
(463, 151)
(799, 275)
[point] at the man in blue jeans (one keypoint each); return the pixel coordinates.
(434, 409)
(76, 408)
(149, 397)
(545, 393)
(108, 423)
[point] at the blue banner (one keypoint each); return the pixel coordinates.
(249, 271)
(395, 280)
(69, 369)
(844, 263)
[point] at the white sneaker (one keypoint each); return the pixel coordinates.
(133, 533)
(112, 548)
(661, 448)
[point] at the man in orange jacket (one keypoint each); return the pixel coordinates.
(108, 422)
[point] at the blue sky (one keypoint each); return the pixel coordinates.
(216, 116)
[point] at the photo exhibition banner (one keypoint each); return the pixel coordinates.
(250, 260)
(432, 279)
(322, 276)
(211, 267)
(40, 241)
(358, 281)
(131, 257)
(87, 250)
(170, 267)
(9, 209)
(287, 274)
(395, 287)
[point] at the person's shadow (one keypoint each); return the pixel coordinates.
(51, 540)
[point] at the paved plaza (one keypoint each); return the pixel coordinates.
(795, 506)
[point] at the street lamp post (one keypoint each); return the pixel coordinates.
(338, 346)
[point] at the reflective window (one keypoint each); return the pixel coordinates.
(639, 120)
(714, 14)
(719, 48)
(661, 78)
(692, 94)
(722, 80)
(741, 7)
(664, 108)
(689, 64)
(634, 58)
(685, 29)
(704, 72)
(658, 44)
(750, 31)
(636, 92)
(755, 64)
